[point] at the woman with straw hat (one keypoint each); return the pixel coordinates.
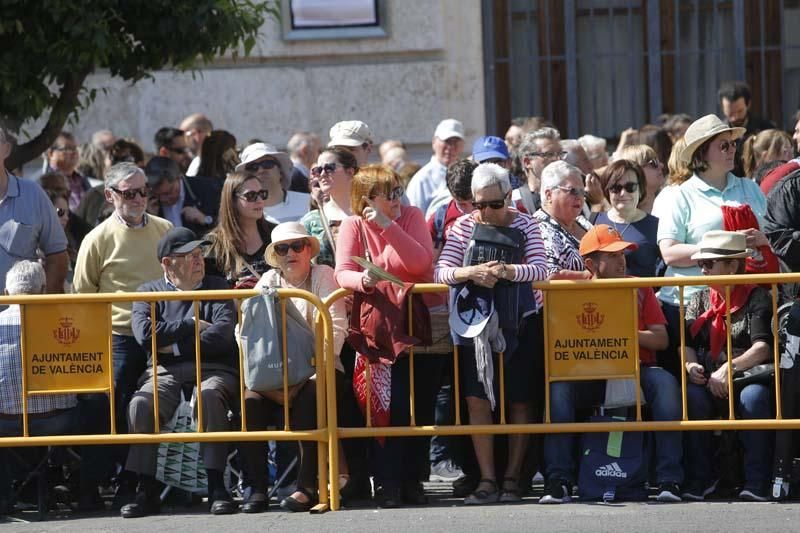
(697, 207)
(724, 253)
(290, 253)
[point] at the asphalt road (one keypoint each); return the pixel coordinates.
(446, 514)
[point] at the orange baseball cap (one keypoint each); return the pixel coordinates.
(604, 238)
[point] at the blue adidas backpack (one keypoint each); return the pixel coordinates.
(614, 466)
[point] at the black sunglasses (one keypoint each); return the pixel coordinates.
(708, 264)
(493, 204)
(60, 212)
(266, 164)
(330, 168)
(297, 246)
(253, 196)
(130, 194)
(630, 187)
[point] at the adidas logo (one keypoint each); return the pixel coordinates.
(612, 470)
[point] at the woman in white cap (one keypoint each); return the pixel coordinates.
(724, 253)
(274, 169)
(330, 182)
(290, 253)
(696, 207)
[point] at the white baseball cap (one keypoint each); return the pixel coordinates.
(449, 128)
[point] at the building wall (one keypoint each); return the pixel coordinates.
(430, 67)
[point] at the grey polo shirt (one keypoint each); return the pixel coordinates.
(28, 223)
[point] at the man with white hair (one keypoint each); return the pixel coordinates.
(536, 150)
(429, 182)
(303, 148)
(595, 148)
(353, 136)
(29, 223)
(48, 414)
(118, 256)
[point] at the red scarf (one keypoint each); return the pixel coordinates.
(718, 330)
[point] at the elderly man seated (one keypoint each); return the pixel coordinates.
(181, 256)
(51, 414)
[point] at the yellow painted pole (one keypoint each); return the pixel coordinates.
(285, 358)
(198, 368)
(682, 326)
(238, 304)
(638, 376)
(154, 350)
(545, 296)
(729, 351)
(776, 353)
(412, 398)
(112, 393)
(23, 352)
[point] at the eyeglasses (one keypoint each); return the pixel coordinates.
(183, 150)
(653, 163)
(328, 168)
(493, 204)
(60, 212)
(727, 146)
(550, 155)
(266, 164)
(253, 196)
(630, 187)
(393, 195)
(708, 264)
(578, 193)
(67, 149)
(297, 246)
(130, 194)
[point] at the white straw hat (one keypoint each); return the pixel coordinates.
(718, 244)
(702, 130)
(285, 232)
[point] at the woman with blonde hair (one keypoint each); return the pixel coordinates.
(677, 172)
(242, 235)
(769, 145)
(653, 168)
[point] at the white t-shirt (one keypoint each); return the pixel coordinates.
(292, 209)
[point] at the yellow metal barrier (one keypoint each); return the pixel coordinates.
(324, 361)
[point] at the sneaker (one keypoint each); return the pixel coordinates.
(445, 471)
(697, 491)
(557, 491)
(668, 493)
(753, 494)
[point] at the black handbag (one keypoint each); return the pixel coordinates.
(763, 374)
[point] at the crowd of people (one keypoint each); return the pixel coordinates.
(203, 211)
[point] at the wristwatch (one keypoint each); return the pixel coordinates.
(503, 271)
(208, 220)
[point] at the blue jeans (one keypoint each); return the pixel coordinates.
(663, 395)
(63, 423)
(754, 402)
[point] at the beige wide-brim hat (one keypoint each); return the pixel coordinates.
(718, 244)
(256, 151)
(287, 232)
(702, 130)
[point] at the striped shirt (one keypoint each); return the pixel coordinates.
(563, 249)
(11, 372)
(452, 256)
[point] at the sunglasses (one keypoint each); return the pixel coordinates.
(329, 168)
(297, 246)
(266, 164)
(727, 146)
(493, 204)
(60, 212)
(630, 187)
(572, 191)
(393, 195)
(708, 264)
(130, 194)
(253, 196)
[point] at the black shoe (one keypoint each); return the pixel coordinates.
(222, 503)
(251, 506)
(296, 506)
(557, 491)
(754, 493)
(668, 493)
(144, 504)
(464, 486)
(698, 490)
(413, 494)
(389, 498)
(356, 488)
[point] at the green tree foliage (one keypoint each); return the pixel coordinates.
(49, 47)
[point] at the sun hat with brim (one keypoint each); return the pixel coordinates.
(287, 232)
(470, 311)
(604, 238)
(349, 133)
(718, 244)
(702, 130)
(256, 151)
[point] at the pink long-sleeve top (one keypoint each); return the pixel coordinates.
(533, 269)
(404, 249)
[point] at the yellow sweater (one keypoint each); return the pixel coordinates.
(116, 258)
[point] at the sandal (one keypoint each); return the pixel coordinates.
(510, 495)
(482, 497)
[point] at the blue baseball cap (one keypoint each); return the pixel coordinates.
(470, 309)
(489, 147)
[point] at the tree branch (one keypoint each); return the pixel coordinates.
(65, 105)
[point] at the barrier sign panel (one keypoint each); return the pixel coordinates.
(67, 347)
(591, 332)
